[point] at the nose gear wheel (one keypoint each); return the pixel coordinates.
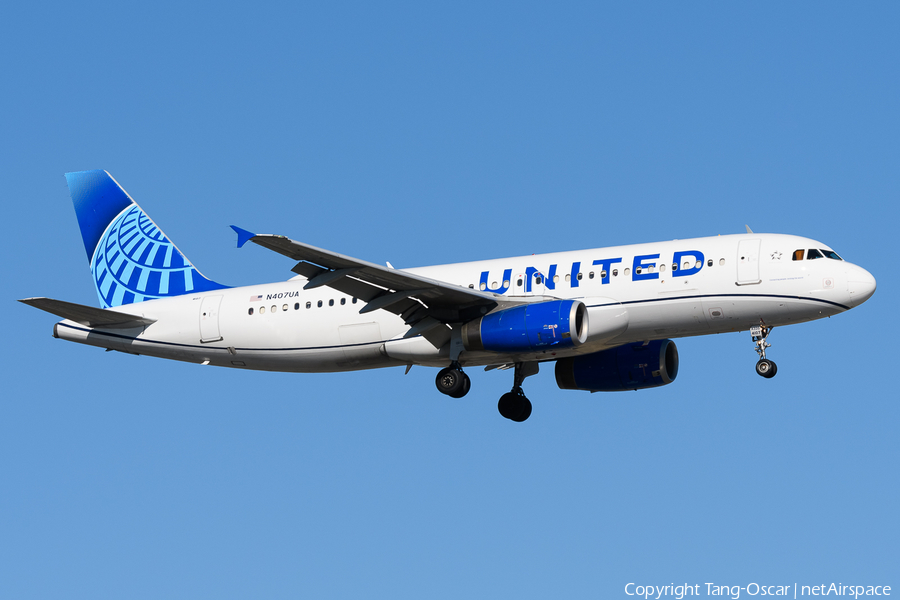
(766, 368)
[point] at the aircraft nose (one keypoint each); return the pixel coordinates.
(861, 285)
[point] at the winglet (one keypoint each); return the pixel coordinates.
(244, 236)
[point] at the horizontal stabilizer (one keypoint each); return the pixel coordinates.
(88, 316)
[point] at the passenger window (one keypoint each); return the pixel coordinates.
(472, 285)
(721, 262)
(709, 263)
(331, 302)
(506, 283)
(343, 301)
(262, 310)
(319, 304)
(591, 275)
(626, 271)
(538, 280)
(274, 308)
(603, 274)
(519, 283)
(580, 276)
(615, 272)
(662, 267)
(354, 301)
(674, 266)
(250, 312)
(309, 305)
(798, 254)
(813, 253)
(296, 306)
(284, 308)
(568, 277)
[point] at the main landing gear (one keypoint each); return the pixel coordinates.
(764, 367)
(452, 381)
(514, 405)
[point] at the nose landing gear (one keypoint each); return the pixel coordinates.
(452, 381)
(764, 367)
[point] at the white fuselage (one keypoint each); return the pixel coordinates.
(721, 284)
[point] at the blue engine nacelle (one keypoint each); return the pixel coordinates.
(628, 367)
(529, 327)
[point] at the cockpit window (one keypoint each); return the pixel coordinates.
(813, 253)
(798, 254)
(831, 254)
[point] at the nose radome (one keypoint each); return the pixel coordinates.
(861, 285)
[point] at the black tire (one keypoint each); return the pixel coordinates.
(514, 406)
(464, 388)
(509, 405)
(524, 409)
(766, 368)
(449, 381)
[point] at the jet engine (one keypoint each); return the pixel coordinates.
(627, 367)
(529, 327)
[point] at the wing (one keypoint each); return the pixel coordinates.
(420, 301)
(87, 315)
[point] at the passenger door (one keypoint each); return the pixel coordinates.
(748, 262)
(209, 319)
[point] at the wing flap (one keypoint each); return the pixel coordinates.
(88, 316)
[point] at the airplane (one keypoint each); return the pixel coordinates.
(604, 316)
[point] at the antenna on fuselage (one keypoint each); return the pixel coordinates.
(748, 229)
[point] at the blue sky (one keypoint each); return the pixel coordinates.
(419, 135)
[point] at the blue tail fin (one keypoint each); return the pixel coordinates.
(131, 259)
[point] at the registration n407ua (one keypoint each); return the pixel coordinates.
(604, 316)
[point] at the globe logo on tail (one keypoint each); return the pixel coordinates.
(135, 261)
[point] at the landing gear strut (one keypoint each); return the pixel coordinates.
(764, 367)
(452, 381)
(514, 405)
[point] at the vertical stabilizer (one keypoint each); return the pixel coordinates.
(131, 259)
